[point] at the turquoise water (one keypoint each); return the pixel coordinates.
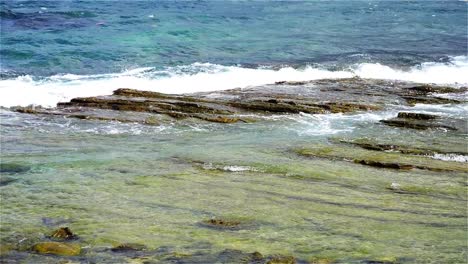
(43, 38)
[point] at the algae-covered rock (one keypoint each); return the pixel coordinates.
(5, 249)
(279, 259)
(63, 233)
(238, 256)
(321, 260)
(382, 260)
(222, 223)
(57, 248)
(425, 149)
(392, 160)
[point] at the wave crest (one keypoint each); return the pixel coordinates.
(203, 77)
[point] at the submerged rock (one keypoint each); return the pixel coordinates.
(424, 150)
(222, 223)
(392, 160)
(388, 165)
(6, 180)
(225, 256)
(321, 260)
(279, 259)
(13, 168)
(125, 247)
(57, 248)
(409, 189)
(5, 249)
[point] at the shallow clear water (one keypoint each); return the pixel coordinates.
(114, 183)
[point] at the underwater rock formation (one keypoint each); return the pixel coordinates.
(57, 248)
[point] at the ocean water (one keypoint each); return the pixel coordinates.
(54, 50)
(114, 183)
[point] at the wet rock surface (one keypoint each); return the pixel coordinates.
(231, 106)
(63, 233)
(424, 121)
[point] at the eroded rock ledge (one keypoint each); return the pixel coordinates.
(245, 105)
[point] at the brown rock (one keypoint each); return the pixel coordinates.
(63, 233)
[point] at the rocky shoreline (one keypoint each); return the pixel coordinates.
(369, 153)
(250, 104)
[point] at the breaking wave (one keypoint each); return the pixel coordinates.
(203, 77)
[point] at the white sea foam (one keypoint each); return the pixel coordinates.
(325, 125)
(200, 77)
(451, 157)
(455, 72)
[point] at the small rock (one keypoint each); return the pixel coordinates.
(418, 116)
(222, 223)
(57, 248)
(63, 233)
(257, 256)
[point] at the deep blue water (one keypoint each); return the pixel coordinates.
(44, 38)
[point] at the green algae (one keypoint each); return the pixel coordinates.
(378, 158)
(157, 192)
